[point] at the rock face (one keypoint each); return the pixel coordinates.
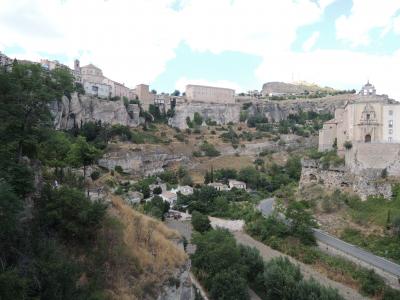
(220, 113)
(141, 162)
(80, 109)
(364, 184)
(280, 110)
(287, 141)
(180, 288)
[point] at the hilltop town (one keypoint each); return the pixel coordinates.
(293, 169)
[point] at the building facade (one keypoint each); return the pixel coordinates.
(144, 96)
(99, 90)
(370, 118)
(209, 94)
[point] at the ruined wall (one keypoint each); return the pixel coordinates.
(81, 109)
(364, 184)
(220, 113)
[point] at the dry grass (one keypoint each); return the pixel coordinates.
(151, 245)
(228, 161)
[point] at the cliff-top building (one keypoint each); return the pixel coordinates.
(209, 94)
(366, 130)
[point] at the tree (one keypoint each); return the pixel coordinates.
(301, 222)
(197, 119)
(157, 190)
(10, 208)
(25, 94)
(54, 150)
(69, 213)
(82, 154)
(227, 285)
(200, 222)
(176, 93)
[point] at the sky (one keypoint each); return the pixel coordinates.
(230, 43)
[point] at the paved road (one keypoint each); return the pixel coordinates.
(266, 208)
(368, 257)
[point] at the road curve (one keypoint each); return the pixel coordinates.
(266, 208)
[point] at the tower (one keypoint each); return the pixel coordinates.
(77, 65)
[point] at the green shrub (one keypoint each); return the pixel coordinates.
(95, 175)
(119, 169)
(200, 222)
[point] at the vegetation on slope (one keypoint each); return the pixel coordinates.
(227, 270)
(55, 243)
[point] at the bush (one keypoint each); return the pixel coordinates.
(348, 145)
(69, 213)
(119, 169)
(95, 175)
(157, 190)
(200, 222)
(209, 150)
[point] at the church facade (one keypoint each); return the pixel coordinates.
(368, 118)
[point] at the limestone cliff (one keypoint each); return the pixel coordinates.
(141, 161)
(220, 113)
(280, 110)
(80, 109)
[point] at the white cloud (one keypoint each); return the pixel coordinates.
(132, 40)
(182, 82)
(310, 42)
(250, 26)
(365, 16)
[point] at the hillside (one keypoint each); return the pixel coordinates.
(293, 88)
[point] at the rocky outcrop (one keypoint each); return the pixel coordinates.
(220, 113)
(286, 142)
(178, 287)
(80, 109)
(280, 110)
(364, 184)
(290, 88)
(141, 162)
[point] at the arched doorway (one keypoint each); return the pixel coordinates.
(368, 138)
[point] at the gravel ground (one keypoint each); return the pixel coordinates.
(267, 253)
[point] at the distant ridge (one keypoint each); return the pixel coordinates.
(293, 88)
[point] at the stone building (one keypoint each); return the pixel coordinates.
(99, 90)
(5, 61)
(366, 130)
(144, 95)
(94, 75)
(209, 94)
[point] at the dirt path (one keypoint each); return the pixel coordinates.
(267, 253)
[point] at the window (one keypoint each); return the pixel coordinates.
(389, 139)
(390, 123)
(368, 116)
(390, 112)
(390, 131)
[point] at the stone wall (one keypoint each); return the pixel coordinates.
(373, 158)
(364, 184)
(220, 113)
(78, 110)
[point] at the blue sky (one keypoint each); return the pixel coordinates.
(233, 43)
